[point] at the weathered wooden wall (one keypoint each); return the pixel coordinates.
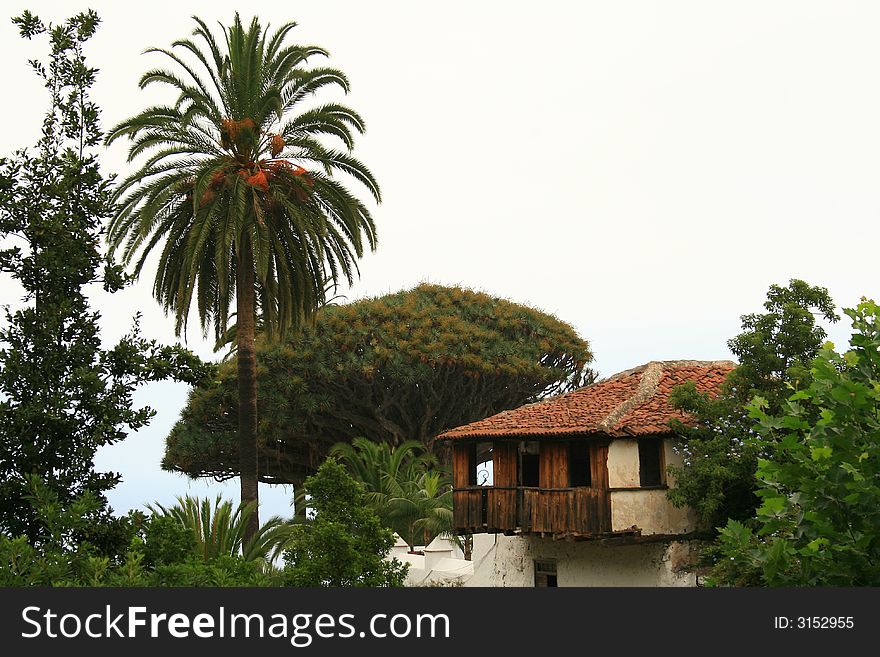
(599, 482)
(554, 508)
(599, 466)
(569, 511)
(462, 464)
(504, 463)
(554, 465)
(463, 456)
(502, 498)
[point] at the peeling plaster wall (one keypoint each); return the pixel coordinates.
(583, 563)
(650, 511)
(670, 458)
(623, 463)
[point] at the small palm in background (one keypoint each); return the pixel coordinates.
(420, 506)
(407, 488)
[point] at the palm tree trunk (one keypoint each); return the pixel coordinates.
(247, 388)
(467, 546)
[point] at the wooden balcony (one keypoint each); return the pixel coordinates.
(577, 512)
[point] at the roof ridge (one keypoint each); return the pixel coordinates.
(669, 364)
(653, 372)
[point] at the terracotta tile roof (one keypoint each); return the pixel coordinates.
(632, 403)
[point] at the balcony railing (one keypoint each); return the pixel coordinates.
(578, 511)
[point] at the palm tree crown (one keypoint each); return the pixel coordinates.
(232, 182)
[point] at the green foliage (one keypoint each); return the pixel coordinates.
(719, 459)
(222, 571)
(404, 486)
(345, 543)
(63, 396)
(717, 477)
(218, 530)
(420, 506)
(173, 555)
(776, 347)
(168, 541)
(160, 551)
(818, 523)
(402, 366)
(377, 465)
(58, 559)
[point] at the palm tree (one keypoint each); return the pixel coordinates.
(376, 465)
(219, 530)
(420, 506)
(241, 190)
(404, 485)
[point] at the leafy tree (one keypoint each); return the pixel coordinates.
(717, 476)
(819, 518)
(404, 487)
(345, 544)
(222, 571)
(400, 367)
(242, 192)
(62, 557)
(61, 395)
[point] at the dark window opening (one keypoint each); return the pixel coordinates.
(472, 464)
(530, 464)
(545, 574)
(650, 462)
(579, 464)
(531, 470)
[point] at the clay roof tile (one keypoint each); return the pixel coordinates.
(631, 403)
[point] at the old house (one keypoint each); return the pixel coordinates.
(574, 487)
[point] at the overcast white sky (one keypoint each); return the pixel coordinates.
(642, 170)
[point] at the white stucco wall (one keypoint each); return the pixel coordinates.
(584, 563)
(623, 462)
(442, 562)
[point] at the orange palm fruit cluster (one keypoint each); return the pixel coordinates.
(258, 180)
(278, 166)
(218, 179)
(231, 132)
(276, 145)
